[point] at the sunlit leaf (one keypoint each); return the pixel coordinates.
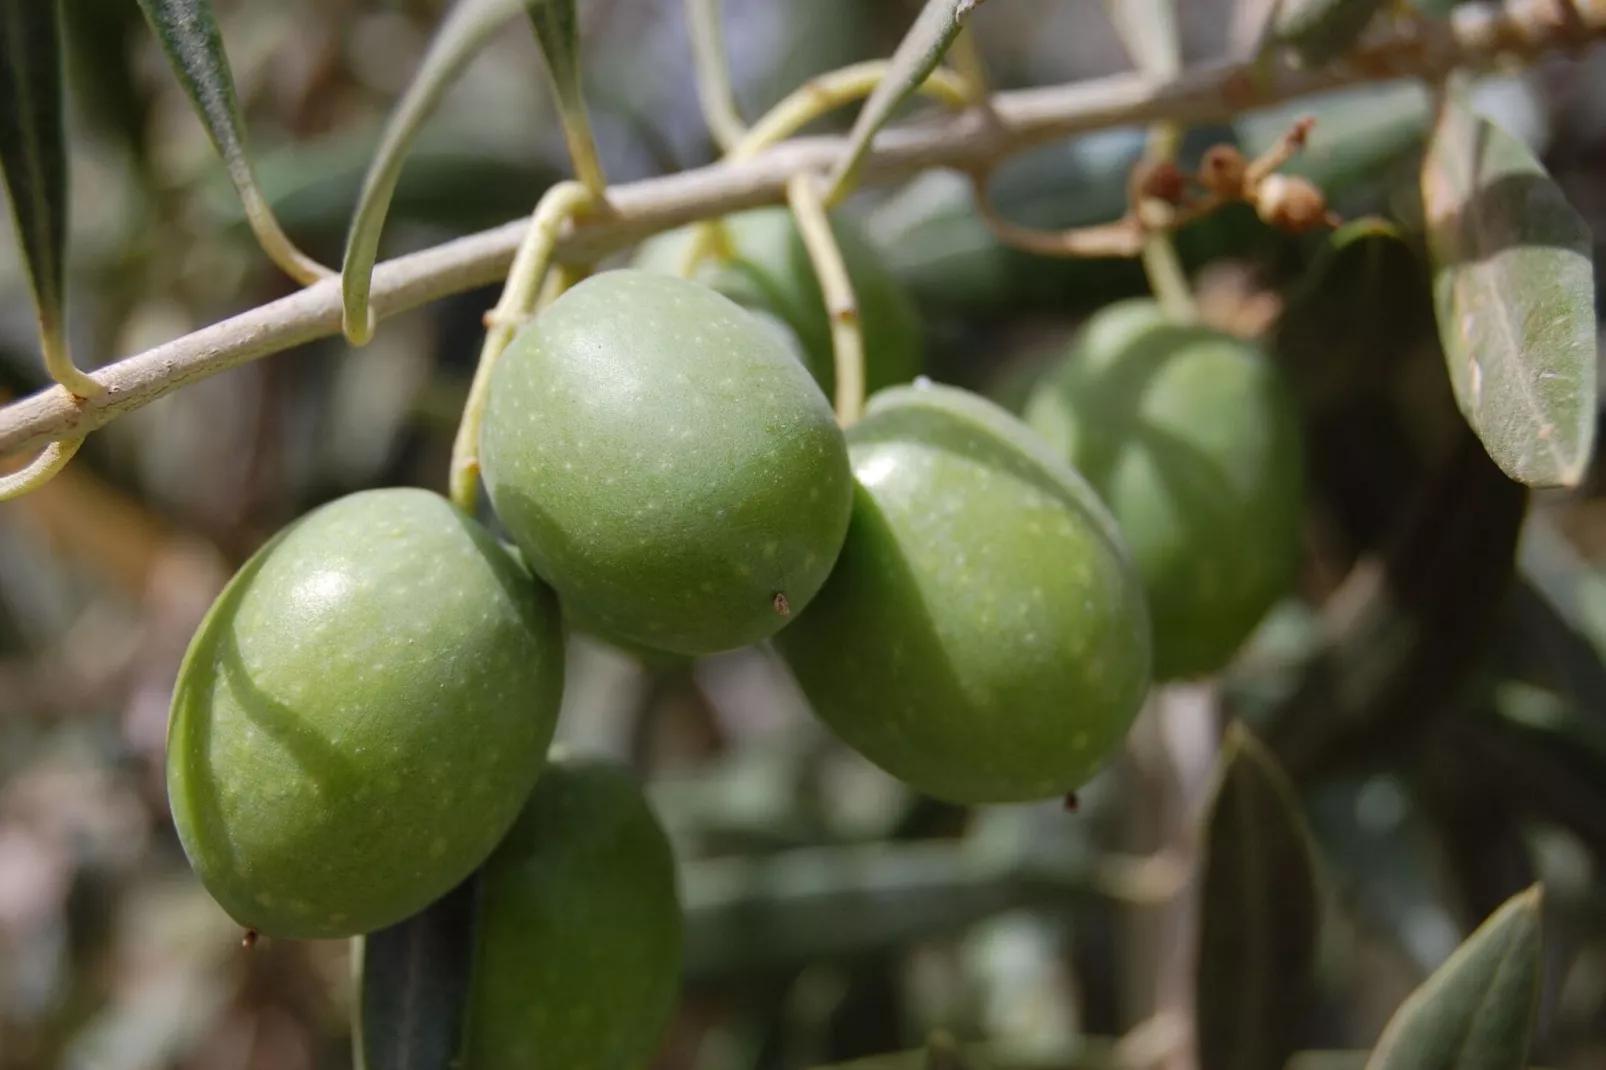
(1148, 29)
(413, 982)
(1320, 31)
(1259, 916)
(1514, 294)
(189, 35)
(917, 55)
(1475, 1012)
(33, 155)
(557, 27)
(467, 28)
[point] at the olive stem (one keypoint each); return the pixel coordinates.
(51, 460)
(967, 61)
(1477, 38)
(714, 90)
(817, 97)
(1161, 264)
(273, 241)
(517, 303)
(847, 340)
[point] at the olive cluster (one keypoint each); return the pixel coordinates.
(978, 603)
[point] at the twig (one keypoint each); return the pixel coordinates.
(714, 91)
(847, 340)
(1475, 39)
(52, 459)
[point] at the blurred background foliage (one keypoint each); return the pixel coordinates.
(1434, 687)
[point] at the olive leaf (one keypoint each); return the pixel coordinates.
(465, 30)
(189, 36)
(1514, 297)
(413, 982)
(33, 155)
(1476, 1011)
(1148, 29)
(1260, 917)
(1320, 31)
(916, 56)
(557, 27)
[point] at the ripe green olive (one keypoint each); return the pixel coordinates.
(361, 715)
(984, 637)
(1192, 438)
(771, 272)
(580, 934)
(665, 464)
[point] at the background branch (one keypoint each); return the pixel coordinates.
(1475, 38)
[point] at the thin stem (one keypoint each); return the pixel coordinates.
(1161, 264)
(966, 59)
(1122, 239)
(847, 340)
(583, 149)
(517, 303)
(711, 238)
(277, 244)
(51, 460)
(714, 90)
(59, 362)
(1476, 39)
(827, 92)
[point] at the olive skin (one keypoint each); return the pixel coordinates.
(1192, 438)
(665, 464)
(984, 637)
(361, 715)
(578, 956)
(771, 272)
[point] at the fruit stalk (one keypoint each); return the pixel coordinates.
(714, 90)
(847, 340)
(52, 459)
(517, 303)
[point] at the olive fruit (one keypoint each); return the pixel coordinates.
(578, 955)
(662, 462)
(771, 272)
(360, 715)
(1192, 438)
(984, 637)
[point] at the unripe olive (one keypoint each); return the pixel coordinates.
(1192, 438)
(361, 715)
(579, 948)
(983, 637)
(772, 272)
(665, 464)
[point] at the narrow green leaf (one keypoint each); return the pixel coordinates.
(413, 982)
(557, 27)
(917, 55)
(466, 29)
(194, 48)
(1320, 31)
(1514, 296)
(1475, 1012)
(1148, 29)
(33, 155)
(1260, 915)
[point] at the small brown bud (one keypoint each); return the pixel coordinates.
(1222, 172)
(249, 940)
(1291, 203)
(1162, 180)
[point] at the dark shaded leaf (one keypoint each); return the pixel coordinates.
(189, 35)
(33, 150)
(1260, 914)
(1320, 31)
(1475, 1012)
(916, 56)
(413, 986)
(1514, 289)
(99, 39)
(467, 28)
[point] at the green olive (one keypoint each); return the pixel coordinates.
(771, 272)
(1192, 438)
(663, 463)
(580, 933)
(361, 715)
(984, 637)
